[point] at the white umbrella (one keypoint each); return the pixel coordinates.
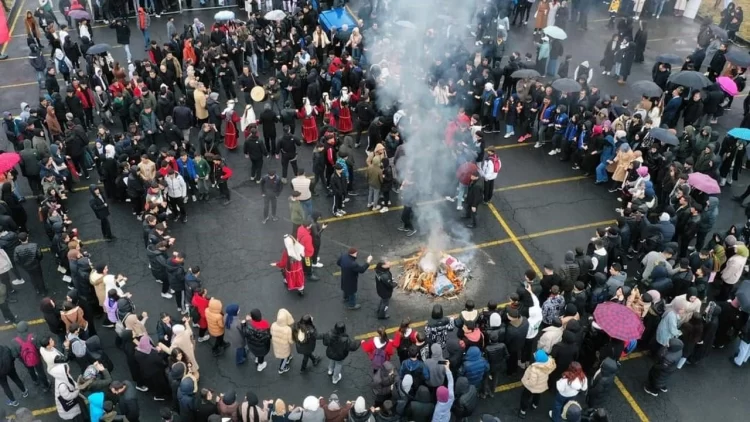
(406, 24)
(224, 15)
(555, 32)
(275, 15)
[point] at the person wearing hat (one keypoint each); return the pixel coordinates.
(535, 381)
(350, 271)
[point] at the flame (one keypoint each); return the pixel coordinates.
(417, 279)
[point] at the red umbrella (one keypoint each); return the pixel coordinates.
(8, 160)
(704, 183)
(618, 321)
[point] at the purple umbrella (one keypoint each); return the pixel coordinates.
(704, 183)
(79, 14)
(618, 321)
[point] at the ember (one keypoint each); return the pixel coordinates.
(435, 273)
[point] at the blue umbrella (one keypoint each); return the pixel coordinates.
(740, 133)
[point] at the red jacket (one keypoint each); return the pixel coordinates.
(201, 303)
(305, 238)
(368, 346)
(165, 170)
(86, 97)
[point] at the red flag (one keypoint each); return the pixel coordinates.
(4, 33)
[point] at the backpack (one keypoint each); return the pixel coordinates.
(29, 355)
(378, 358)
(78, 347)
(62, 66)
(495, 164)
(120, 325)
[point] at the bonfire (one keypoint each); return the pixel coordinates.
(435, 273)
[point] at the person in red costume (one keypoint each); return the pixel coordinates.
(308, 114)
(291, 265)
(230, 131)
(304, 236)
(341, 108)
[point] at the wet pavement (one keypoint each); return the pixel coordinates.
(541, 209)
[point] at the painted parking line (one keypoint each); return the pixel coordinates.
(514, 239)
(85, 188)
(435, 201)
(13, 326)
(85, 242)
(631, 401)
(13, 25)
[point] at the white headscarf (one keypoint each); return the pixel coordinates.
(109, 151)
(345, 94)
(306, 105)
(248, 117)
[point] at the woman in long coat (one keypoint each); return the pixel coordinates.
(640, 40)
(541, 16)
(152, 364)
(620, 165)
(609, 54)
(552, 14)
(627, 55)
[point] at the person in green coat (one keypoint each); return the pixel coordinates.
(296, 211)
(202, 169)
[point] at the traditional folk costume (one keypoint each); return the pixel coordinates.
(248, 120)
(341, 109)
(291, 264)
(230, 131)
(307, 114)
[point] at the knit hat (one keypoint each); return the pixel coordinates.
(642, 171)
(22, 327)
(540, 356)
(495, 320)
(664, 217)
(312, 404)
(178, 328)
(213, 95)
(359, 404)
(442, 394)
(730, 240)
(90, 373)
(572, 411)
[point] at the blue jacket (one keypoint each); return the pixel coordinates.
(673, 107)
(474, 366)
(187, 169)
(608, 152)
(409, 365)
(581, 138)
(497, 105)
(547, 115)
(96, 406)
(442, 411)
(571, 131)
(562, 120)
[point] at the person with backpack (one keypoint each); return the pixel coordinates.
(489, 169)
(414, 366)
(338, 346)
(8, 370)
(78, 347)
(305, 335)
(379, 349)
(25, 347)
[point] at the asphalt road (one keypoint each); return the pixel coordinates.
(541, 209)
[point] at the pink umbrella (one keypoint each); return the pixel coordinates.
(704, 183)
(727, 85)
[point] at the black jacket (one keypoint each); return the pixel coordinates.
(601, 382)
(97, 203)
(270, 186)
(384, 283)
(304, 337)
(338, 345)
(182, 116)
(122, 33)
(158, 261)
(474, 194)
(28, 256)
(338, 184)
(288, 144)
(254, 148)
(176, 275)
(258, 340)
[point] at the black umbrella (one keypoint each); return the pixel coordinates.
(719, 32)
(738, 57)
(690, 79)
(647, 89)
(525, 74)
(669, 58)
(743, 295)
(664, 136)
(566, 85)
(98, 49)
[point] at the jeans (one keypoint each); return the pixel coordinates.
(660, 7)
(461, 192)
(307, 207)
(203, 186)
(383, 307)
(557, 408)
(616, 70)
(146, 38)
(351, 300)
(269, 200)
(253, 60)
(284, 363)
(373, 195)
(743, 353)
(601, 172)
(552, 67)
(509, 129)
(334, 366)
(13, 375)
(126, 47)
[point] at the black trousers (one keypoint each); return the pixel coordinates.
(219, 344)
(317, 177)
(489, 188)
(177, 205)
(38, 374)
(360, 127)
(287, 159)
(35, 183)
(78, 161)
(224, 190)
(256, 166)
(527, 398)
(13, 375)
(406, 217)
(270, 142)
(37, 280)
(269, 200)
(383, 307)
(106, 228)
(472, 215)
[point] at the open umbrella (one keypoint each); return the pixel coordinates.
(664, 136)
(727, 85)
(566, 85)
(555, 32)
(740, 133)
(647, 89)
(690, 79)
(704, 183)
(738, 57)
(618, 321)
(406, 24)
(669, 58)
(275, 15)
(98, 49)
(525, 73)
(79, 14)
(225, 15)
(8, 160)
(719, 32)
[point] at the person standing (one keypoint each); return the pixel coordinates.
(122, 35)
(254, 151)
(144, 22)
(202, 173)
(305, 238)
(297, 214)
(287, 147)
(407, 213)
(305, 335)
(177, 194)
(8, 370)
(489, 170)
(101, 211)
(270, 189)
(281, 339)
(350, 271)
(176, 277)
(215, 320)
(221, 176)
(338, 346)
(25, 347)
(338, 189)
(257, 334)
(301, 184)
(384, 285)
(28, 255)
(474, 196)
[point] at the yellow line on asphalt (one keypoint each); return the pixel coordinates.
(435, 201)
(13, 25)
(85, 242)
(631, 401)
(514, 239)
(13, 326)
(508, 387)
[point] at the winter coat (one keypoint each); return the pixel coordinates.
(257, 335)
(215, 317)
(384, 283)
(350, 271)
(666, 364)
(66, 392)
(176, 275)
(422, 407)
(442, 412)
(601, 383)
(535, 378)
(281, 334)
(474, 366)
(338, 345)
(304, 337)
(384, 380)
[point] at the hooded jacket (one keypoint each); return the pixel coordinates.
(338, 344)
(474, 366)
(421, 409)
(66, 392)
(601, 383)
(667, 364)
(442, 412)
(281, 334)
(466, 399)
(157, 259)
(175, 274)
(435, 371)
(536, 376)
(215, 317)
(384, 380)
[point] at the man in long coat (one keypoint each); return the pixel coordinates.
(350, 271)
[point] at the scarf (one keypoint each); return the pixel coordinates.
(144, 345)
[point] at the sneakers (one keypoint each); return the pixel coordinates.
(317, 265)
(335, 380)
(384, 210)
(411, 233)
(653, 393)
(166, 296)
(460, 208)
(538, 145)
(376, 207)
(450, 199)
(142, 388)
(171, 291)
(158, 398)
(204, 338)
(265, 220)
(17, 282)
(14, 403)
(25, 393)
(508, 135)
(159, 281)
(283, 370)
(402, 229)
(347, 200)
(554, 152)
(261, 367)
(330, 372)
(370, 205)
(339, 214)
(195, 198)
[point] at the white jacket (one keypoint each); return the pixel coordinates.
(488, 170)
(733, 270)
(176, 187)
(571, 389)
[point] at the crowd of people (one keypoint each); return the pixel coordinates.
(168, 148)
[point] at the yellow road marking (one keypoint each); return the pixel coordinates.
(85, 242)
(508, 387)
(514, 239)
(435, 201)
(21, 9)
(13, 326)
(631, 401)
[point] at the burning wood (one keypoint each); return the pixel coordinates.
(435, 273)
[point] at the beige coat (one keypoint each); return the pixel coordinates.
(281, 334)
(136, 325)
(201, 112)
(186, 342)
(97, 280)
(536, 375)
(620, 165)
